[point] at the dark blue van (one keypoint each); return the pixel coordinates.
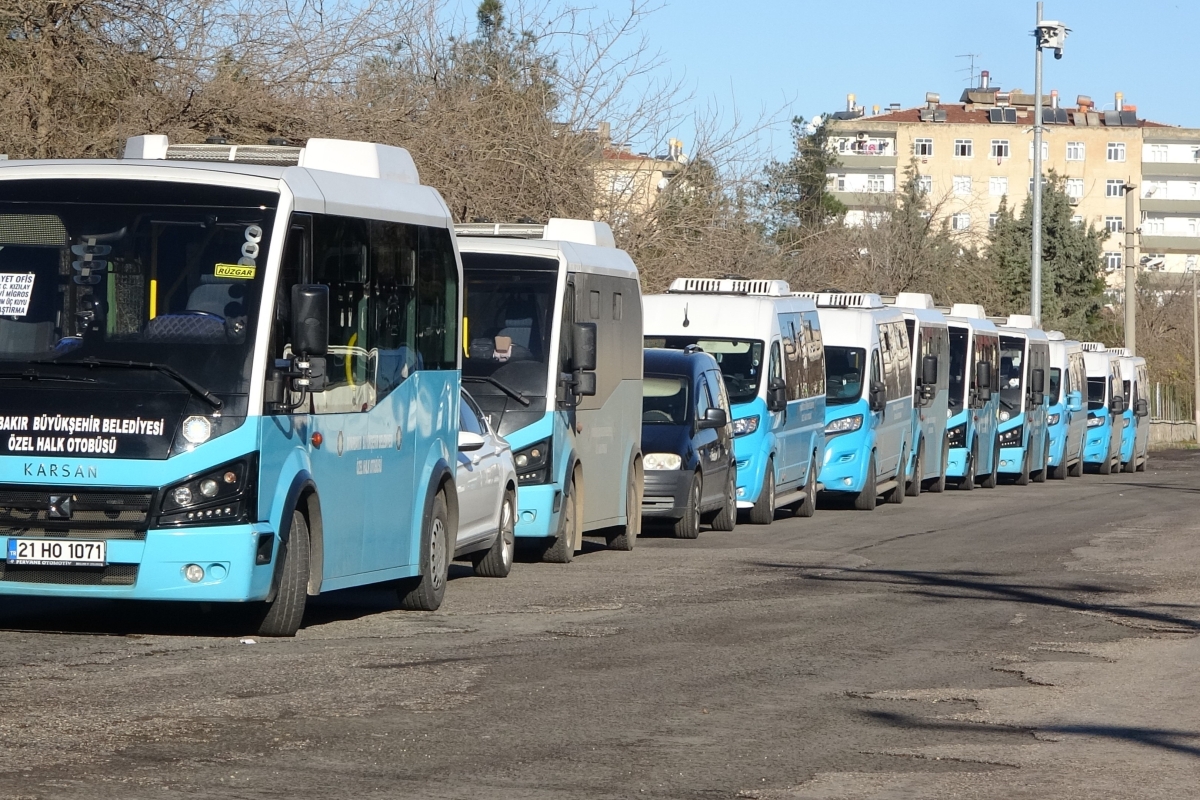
(687, 442)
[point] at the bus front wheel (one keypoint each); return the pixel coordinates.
(562, 548)
(284, 613)
(625, 538)
(763, 510)
(869, 496)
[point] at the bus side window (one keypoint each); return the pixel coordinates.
(437, 301)
(814, 355)
(775, 371)
(792, 344)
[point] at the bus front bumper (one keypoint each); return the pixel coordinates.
(1012, 460)
(537, 516)
(844, 468)
(1096, 445)
(155, 568)
(956, 466)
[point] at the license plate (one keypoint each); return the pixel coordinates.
(57, 553)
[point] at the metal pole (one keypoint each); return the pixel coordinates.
(1196, 357)
(1035, 277)
(1131, 266)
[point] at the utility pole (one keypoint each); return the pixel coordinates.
(1131, 266)
(1035, 277)
(1196, 356)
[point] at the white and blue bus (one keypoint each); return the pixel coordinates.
(1106, 405)
(769, 346)
(1024, 365)
(552, 333)
(231, 374)
(1066, 418)
(929, 343)
(868, 398)
(1135, 440)
(974, 404)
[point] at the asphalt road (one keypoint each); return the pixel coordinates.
(1018, 642)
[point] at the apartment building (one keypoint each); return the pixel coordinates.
(629, 183)
(971, 154)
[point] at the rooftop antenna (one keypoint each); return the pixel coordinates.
(970, 68)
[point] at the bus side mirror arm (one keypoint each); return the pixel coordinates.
(305, 373)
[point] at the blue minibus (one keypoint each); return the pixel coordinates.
(1024, 362)
(1106, 404)
(240, 376)
(868, 398)
(769, 346)
(929, 344)
(1066, 418)
(1135, 440)
(974, 402)
(552, 334)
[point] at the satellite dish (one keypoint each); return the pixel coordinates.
(663, 183)
(816, 121)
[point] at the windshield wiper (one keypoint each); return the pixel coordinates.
(33, 375)
(508, 390)
(1007, 404)
(189, 384)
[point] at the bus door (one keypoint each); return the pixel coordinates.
(791, 454)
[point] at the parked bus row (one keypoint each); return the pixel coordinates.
(255, 374)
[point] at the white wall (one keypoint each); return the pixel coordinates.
(1171, 153)
(1171, 190)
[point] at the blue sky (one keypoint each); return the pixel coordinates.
(801, 57)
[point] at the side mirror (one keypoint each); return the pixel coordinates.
(983, 381)
(583, 354)
(1075, 401)
(713, 418)
(585, 384)
(310, 319)
(1117, 404)
(469, 442)
(1036, 398)
(1141, 408)
(776, 395)
(1037, 381)
(929, 370)
(877, 400)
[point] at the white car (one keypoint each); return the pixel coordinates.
(487, 494)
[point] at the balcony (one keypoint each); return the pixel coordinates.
(1170, 244)
(1190, 207)
(1170, 169)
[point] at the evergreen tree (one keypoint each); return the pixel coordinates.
(794, 194)
(1072, 286)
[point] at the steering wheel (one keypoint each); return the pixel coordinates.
(209, 314)
(655, 415)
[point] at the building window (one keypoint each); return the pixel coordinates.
(962, 184)
(1075, 188)
(1191, 189)
(961, 221)
(925, 184)
(621, 183)
(1189, 263)
(876, 183)
(925, 215)
(1031, 184)
(992, 220)
(999, 148)
(1114, 224)
(1113, 188)
(1153, 226)
(1116, 151)
(1158, 153)
(963, 148)
(1112, 261)
(1045, 151)
(922, 147)
(1075, 151)
(997, 186)
(1192, 228)
(841, 183)
(1077, 221)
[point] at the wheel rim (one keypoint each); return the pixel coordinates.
(437, 552)
(771, 492)
(506, 533)
(694, 500)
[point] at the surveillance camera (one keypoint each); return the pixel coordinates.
(1058, 54)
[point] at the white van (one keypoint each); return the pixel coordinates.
(1135, 439)
(868, 397)
(1067, 417)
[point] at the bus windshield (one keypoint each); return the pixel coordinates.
(1012, 372)
(508, 317)
(123, 270)
(844, 368)
(1096, 393)
(959, 339)
(740, 360)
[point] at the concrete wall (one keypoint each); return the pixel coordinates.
(1164, 432)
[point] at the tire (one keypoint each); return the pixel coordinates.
(808, 506)
(1130, 466)
(284, 614)
(896, 496)
(968, 479)
(726, 518)
(497, 562)
(1142, 466)
(688, 526)
(869, 496)
(1022, 478)
(1076, 470)
(939, 483)
(1040, 475)
(913, 487)
(992, 479)
(425, 593)
(1058, 473)
(626, 537)
(562, 548)
(763, 512)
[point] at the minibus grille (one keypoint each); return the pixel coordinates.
(112, 575)
(26, 511)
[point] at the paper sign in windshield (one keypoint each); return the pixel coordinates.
(15, 290)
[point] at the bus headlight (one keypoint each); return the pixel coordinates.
(745, 425)
(1052, 419)
(1012, 437)
(662, 461)
(844, 425)
(216, 497)
(957, 435)
(533, 463)
(1095, 422)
